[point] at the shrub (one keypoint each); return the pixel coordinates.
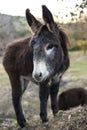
(79, 45)
(74, 47)
(82, 45)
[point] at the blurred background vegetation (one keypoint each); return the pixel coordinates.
(13, 27)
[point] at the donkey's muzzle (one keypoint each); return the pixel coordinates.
(37, 76)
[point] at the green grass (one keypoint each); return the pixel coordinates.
(78, 68)
(3, 77)
(4, 80)
(78, 65)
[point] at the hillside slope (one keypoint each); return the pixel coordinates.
(12, 27)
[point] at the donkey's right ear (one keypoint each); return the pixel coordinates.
(33, 23)
(48, 18)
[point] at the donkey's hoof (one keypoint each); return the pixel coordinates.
(45, 125)
(24, 128)
(56, 115)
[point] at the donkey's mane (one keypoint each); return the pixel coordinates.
(64, 42)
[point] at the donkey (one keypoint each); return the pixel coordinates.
(42, 58)
(72, 98)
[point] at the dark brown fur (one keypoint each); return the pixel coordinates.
(72, 98)
(16, 55)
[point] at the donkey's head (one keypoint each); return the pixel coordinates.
(46, 44)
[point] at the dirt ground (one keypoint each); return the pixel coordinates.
(73, 119)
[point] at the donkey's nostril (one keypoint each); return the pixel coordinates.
(38, 76)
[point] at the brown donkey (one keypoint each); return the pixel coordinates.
(72, 98)
(42, 58)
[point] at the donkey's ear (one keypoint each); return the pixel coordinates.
(48, 18)
(33, 23)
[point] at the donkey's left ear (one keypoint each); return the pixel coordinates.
(48, 18)
(33, 23)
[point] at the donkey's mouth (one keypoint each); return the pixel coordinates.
(46, 78)
(42, 77)
(40, 80)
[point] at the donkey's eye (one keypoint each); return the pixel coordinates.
(50, 46)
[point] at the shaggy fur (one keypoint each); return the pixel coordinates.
(18, 63)
(72, 98)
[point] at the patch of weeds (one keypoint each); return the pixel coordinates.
(1, 120)
(14, 123)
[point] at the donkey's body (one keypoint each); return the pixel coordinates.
(43, 57)
(17, 54)
(72, 98)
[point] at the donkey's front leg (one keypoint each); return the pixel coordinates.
(53, 94)
(43, 95)
(16, 98)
